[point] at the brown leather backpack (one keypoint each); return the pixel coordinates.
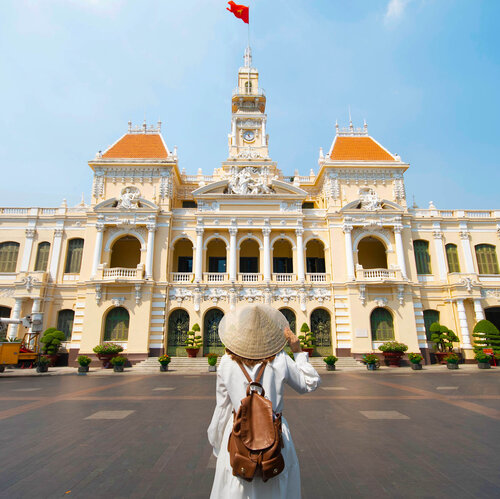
(255, 443)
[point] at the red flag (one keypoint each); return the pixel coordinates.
(240, 11)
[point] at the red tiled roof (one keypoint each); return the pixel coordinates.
(138, 145)
(358, 149)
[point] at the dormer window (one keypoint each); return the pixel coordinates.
(248, 87)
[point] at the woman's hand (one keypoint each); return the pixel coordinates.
(293, 341)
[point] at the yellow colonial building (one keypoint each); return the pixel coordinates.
(158, 250)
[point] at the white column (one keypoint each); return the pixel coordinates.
(97, 248)
(438, 243)
(233, 131)
(150, 250)
(56, 253)
(232, 253)
(464, 328)
(16, 314)
(478, 310)
(28, 245)
(469, 263)
(400, 250)
(348, 252)
(198, 267)
(266, 231)
(35, 308)
(264, 138)
(300, 254)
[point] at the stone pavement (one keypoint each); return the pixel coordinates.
(390, 433)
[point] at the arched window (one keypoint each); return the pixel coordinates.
(382, 325)
(42, 256)
(372, 253)
(126, 253)
(290, 317)
(452, 257)
(8, 256)
(422, 257)
(282, 257)
(211, 340)
(216, 256)
(74, 256)
(430, 317)
(315, 257)
(248, 87)
(249, 257)
(65, 322)
(178, 326)
(322, 330)
(116, 328)
(183, 256)
(487, 262)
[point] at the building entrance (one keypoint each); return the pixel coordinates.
(211, 340)
(322, 329)
(178, 326)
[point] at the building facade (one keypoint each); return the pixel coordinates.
(157, 250)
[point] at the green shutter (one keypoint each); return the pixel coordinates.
(430, 317)
(422, 257)
(65, 322)
(8, 256)
(487, 261)
(117, 322)
(382, 325)
(452, 257)
(42, 257)
(74, 258)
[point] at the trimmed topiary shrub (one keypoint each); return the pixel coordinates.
(195, 327)
(486, 335)
(443, 337)
(307, 340)
(51, 340)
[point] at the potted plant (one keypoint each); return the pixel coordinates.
(106, 352)
(452, 360)
(483, 360)
(371, 361)
(307, 339)
(43, 364)
(164, 361)
(330, 362)
(193, 341)
(212, 362)
(415, 359)
(51, 343)
(118, 362)
(487, 335)
(443, 339)
(393, 352)
(84, 362)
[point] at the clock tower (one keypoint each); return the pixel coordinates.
(248, 139)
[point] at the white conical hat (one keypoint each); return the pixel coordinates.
(254, 331)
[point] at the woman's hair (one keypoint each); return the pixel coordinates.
(248, 362)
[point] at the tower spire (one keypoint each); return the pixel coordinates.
(248, 57)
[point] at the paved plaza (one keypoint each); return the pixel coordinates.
(391, 433)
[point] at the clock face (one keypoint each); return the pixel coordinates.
(248, 135)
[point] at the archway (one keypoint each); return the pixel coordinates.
(178, 326)
(116, 326)
(322, 329)
(183, 256)
(211, 340)
(382, 325)
(372, 253)
(126, 253)
(290, 317)
(315, 257)
(282, 257)
(493, 315)
(249, 257)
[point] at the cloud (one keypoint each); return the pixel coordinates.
(395, 10)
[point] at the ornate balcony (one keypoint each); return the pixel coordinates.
(317, 277)
(378, 274)
(250, 277)
(284, 277)
(215, 276)
(182, 277)
(120, 273)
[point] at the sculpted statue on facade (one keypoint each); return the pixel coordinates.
(129, 198)
(369, 200)
(242, 182)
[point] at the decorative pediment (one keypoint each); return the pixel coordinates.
(254, 188)
(140, 204)
(379, 205)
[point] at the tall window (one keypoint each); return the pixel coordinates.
(248, 87)
(290, 317)
(8, 256)
(487, 262)
(422, 257)
(65, 322)
(452, 257)
(116, 328)
(42, 256)
(382, 325)
(430, 317)
(74, 256)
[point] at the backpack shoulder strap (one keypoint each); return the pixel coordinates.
(260, 372)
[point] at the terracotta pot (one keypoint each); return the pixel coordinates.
(440, 356)
(105, 358)
(309, 351)
(192, 352)
(53, 359)
(393, 359)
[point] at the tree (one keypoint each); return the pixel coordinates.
(442, 337)
(307, 340)
(486, 335)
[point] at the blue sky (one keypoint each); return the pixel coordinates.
(424, 74)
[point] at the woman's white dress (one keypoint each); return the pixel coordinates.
(231, 388)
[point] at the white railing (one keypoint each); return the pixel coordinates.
(119, 272)
(377, 274)
(428, 213)
(251, 92)
(478, 214)
(182, 276)
(249, 277)
(198, 178)
(283, 277)
(215, 276)
(317, 277)
(48, 211)
(14, 211)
